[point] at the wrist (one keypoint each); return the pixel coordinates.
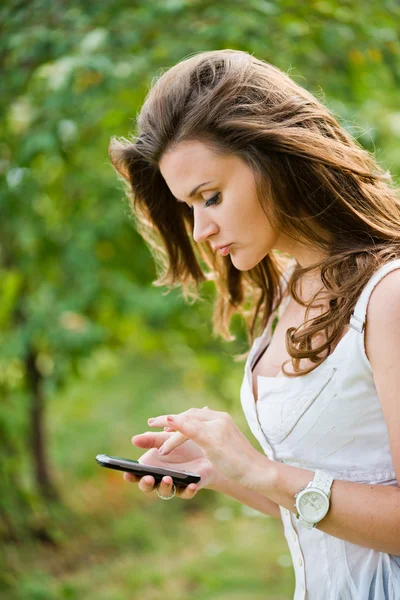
(261, 475)
(217, 481)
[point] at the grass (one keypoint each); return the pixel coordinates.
(115, 543)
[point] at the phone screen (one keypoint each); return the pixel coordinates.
(127, 465)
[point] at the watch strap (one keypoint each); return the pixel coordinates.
(321, 481)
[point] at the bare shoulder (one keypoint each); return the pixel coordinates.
(382, 344)
(384, 299)
(383, 315)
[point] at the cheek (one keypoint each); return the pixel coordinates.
(259, 229)
(246, 219)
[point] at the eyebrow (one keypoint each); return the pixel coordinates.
(195, 190)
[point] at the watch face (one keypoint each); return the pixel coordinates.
(313, 506)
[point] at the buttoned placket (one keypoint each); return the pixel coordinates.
(292, 538)
(333, 573)
(296, 553)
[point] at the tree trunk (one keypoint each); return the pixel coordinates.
(37, 429)
(15, 508)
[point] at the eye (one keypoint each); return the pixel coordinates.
(213, 200)
(210, 202)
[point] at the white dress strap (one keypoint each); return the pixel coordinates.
(357, 320)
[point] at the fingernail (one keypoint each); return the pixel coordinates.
(161, 449)
(150, 420)
(169, 418)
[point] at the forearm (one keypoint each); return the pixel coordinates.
(360, 513)
(251, 498)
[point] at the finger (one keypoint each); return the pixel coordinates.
(146, 484)
(131, 478)
(151, 439)
(188, 492)
(172, 429)
(199, 413)
(166, 486)
(177, 439)
(189, 428)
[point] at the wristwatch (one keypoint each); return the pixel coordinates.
(312, 502)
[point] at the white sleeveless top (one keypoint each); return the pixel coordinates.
(329, 419)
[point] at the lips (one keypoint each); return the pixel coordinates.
(224, 250)
(215, 248)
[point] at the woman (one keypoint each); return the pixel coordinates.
(240, 175)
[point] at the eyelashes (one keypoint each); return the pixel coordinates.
(213, 200)
(210, 202)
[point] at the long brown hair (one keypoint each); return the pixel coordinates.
(319, 177)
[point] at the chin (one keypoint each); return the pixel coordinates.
(244, 264)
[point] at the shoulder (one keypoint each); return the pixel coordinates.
(384, 301)
(382, 345)
(383, 316)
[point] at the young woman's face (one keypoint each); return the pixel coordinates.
(226, 209)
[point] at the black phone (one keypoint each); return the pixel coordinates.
(183, 478)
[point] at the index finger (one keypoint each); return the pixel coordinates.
(174, 441)
(161, 420)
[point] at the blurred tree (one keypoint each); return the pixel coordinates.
(72, 268)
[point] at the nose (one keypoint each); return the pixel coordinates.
(203, 226)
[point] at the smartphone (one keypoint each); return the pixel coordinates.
(182, 478)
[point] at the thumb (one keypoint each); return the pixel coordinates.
(151, 439)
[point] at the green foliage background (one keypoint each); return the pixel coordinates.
(76, 301)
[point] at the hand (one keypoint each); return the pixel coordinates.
(187, 457)
(222, 442)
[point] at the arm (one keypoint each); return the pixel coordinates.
(253, 499)
(364, 514)
(367, 515)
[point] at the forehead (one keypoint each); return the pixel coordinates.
(190, 157)
(191, 163)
